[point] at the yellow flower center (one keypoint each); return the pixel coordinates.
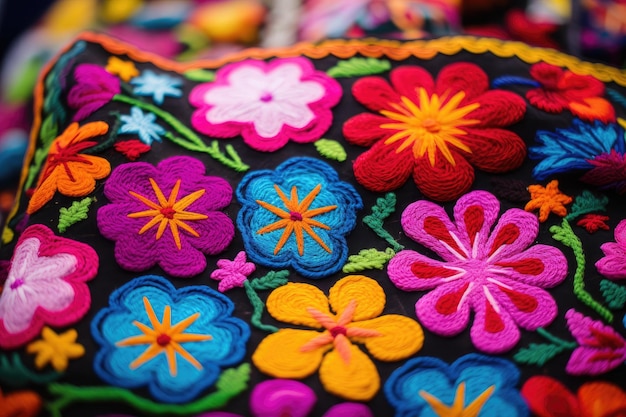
(432, 124)
(168, 212)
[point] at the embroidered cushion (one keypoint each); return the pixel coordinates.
(354, 228)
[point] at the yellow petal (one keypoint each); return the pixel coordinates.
(400, 337)
(367, 293)
(357, 380)
(289, 304)
(280, 354)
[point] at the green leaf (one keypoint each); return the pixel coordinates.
(537, 353)
(586, 203)
(331, 149)
(355, 67)
(49, 129)
(14, 374)
(368, 259)
(234, 380)
(199, 75)
(384, 207)
(614, 295)
(76, 212)
(271, 280)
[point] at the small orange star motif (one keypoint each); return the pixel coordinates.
(547, 200)
(123, 69)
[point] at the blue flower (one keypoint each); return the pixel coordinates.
(571, 149)
(429, 387)
(157, 85)
(142, 124)
(174, 341)
(297, 216)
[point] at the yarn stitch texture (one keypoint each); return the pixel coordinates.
(167, 215)
(436, 131)
(266, 103)
(486, 267)
(176, 342)
(613, 264)
(356, 303)
(46, 284)
(472, 385)
(297, 216)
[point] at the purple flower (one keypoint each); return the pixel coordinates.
(613, 264)
(233, 273)
(167, 215)
(94, 88)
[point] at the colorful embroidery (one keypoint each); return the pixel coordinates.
(68, 170)
(600, 349)
(297, 215)
(56, 349)
(78, 211)
(613, 264)
(345, 370)
(472, 385)
(157, 86)
(174, 341)
(559, 90)
(547, 397)
(45, 285)
(20, 403)
(166, 215)
(266, 103)
(123, 69)
(434, 130)
(597, 150)
(233, 273)
(492, 270)
(548, 199)
(143, 124)
(94, 88)
(132, 149)
(593, 222)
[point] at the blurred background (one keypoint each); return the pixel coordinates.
(32, 31)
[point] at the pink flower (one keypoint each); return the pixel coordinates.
(45, 285)
(601, 348)
(266, 103)
(233, 273)
(488, 267)
(613, 264)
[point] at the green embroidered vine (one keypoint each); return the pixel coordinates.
(566, 235)
(14, 374)
(331, 149)
(384, 207)
(357, 67)
(368, 259)
(540, 353)
(73, 214)
(231, 383)
(190, 140)
(272, 280)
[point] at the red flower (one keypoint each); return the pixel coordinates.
(563, 90)
(132, 149)
(434, 130)
(593, 222)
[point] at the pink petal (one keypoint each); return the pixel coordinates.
(446, 309)
(493, 331)
(515, 231)
(474, 215)
(412, 271)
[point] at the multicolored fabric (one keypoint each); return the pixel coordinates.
(427, 228)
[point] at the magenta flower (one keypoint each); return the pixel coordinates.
(167, 215)
(46, 285)
(268, 103)
(600, 350)
(613, 264)
(94, 88)
(233, 273)
(487, 267)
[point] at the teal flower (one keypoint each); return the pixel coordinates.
(174, 341)
(157, 85)
(471, 386)
(575, 148)
(142, 124)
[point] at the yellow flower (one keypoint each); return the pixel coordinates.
(345, 370)
(548, 199)
(429, 125)
(56, 349)
(123, 69)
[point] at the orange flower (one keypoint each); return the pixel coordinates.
(67, 170)
(548, 199)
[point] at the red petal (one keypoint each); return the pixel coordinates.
(530, 266)
(506, 235)
(435, 227)
(498, 108)
(449, 303)
(423, 270)
(462, 76)
(547, 397)
(407, 80)
(443, 181)
(494, 150)
(382, 169)
(364, 129)
(493, 321)
(474, 218)
(523, 302)
(375, 93)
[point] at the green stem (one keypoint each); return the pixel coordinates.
(70, 394)
(257, 309)
(566, 235)
(564, 344)
(192, 141)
